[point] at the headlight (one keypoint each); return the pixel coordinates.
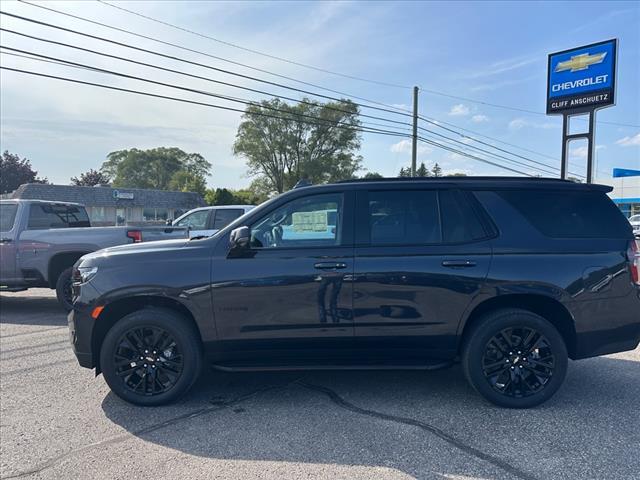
(84, 274)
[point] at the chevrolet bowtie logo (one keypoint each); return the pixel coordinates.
(580, 62)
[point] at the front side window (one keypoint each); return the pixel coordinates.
(196, 220)
(225, 216)
(404, 217)
(312, 221)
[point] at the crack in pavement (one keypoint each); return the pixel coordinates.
(450, 439)
(42, 330)
(217, 406)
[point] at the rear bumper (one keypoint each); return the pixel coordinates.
(80, 333)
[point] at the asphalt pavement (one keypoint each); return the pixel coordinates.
(58, 421)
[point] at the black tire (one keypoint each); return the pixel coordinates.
(167, 373)
(63, 289)
(525, 379)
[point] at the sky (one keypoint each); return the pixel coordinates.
(462, 56)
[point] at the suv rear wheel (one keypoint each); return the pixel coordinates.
(515, 358)
(151, 357)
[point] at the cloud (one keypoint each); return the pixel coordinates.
(519, 123)
(404, 146)
(479, 118)
(459, 110)
(629, 141)
(581, 152)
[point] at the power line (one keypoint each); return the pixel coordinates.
(180, 72)
(179, 87)
(516, 109)
(221, 107)
(465, 154)
(268, 55)
(396, 110)
(194, 102)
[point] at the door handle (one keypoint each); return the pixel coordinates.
(5, 240)
(458, 263)
(329, 265)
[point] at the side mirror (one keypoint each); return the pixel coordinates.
(169, 222)
(239, 238)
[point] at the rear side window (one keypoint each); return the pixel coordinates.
(569, 214)
(57, 216)
(459, 221)
(404, 217)
(7, 216)
(225, 216)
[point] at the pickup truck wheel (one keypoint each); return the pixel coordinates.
(151, 357)
(63, 289)
(515, 358)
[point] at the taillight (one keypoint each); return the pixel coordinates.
(633, 254)
(136, 235)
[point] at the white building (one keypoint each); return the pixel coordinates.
(626, 190)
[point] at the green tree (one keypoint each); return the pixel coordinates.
(90, 179)
(284, 147)
(15, 171)
(185, 181)
(155, 168)
(372, 175)
(436, 170)
(421, 171)
(404, 172)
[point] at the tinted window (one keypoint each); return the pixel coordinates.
(459, 221)
(57, 216)
(7, 216)
(569, 213)
(196, 220)
(305, 222)
(408, 217)
(225, 216)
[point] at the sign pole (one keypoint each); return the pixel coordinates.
(565, 146)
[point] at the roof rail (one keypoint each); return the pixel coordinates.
(457, 178)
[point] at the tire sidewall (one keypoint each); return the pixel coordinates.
(476, 345)
(181, 331)
(63, 279)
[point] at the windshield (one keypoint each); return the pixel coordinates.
(7, 216)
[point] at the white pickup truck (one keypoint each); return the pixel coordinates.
(40, 241)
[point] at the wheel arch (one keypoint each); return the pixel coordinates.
(548, 308)
(59, 262)
(117, 309)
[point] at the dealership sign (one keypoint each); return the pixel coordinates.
(122, 195)
(582, 78)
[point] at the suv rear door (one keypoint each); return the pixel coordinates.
(8, 241)
(421, 255)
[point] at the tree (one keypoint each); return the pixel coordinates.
(184, 181)
(14, 172)
(436, 170)
(284, 147)
(90, 179)
(155, 168)
(421, 171)
(372, 175)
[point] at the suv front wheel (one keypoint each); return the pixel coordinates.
(515, 358)
(151, 357)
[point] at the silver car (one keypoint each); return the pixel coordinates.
(205, 221)
(634, 220)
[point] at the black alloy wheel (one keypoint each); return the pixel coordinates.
(151, 356)
(64, 290)
(518, 362)
(514, 358)
(148, 360)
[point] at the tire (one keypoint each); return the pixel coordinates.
(161, 377)
(526, 379)
(63, 289)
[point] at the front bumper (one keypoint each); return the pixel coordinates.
(81, 333)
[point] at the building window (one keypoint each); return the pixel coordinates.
(149, 214)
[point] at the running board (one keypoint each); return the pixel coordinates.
(280, 368)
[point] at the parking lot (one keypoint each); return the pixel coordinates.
(58, 421)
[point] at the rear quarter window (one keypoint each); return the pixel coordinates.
(569, 214)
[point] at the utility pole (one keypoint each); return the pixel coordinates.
(414, 145)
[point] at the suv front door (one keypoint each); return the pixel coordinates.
(291, 290)
(421, 255)
(8, 242)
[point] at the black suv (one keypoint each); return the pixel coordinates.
(509, 276)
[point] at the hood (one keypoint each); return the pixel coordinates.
(138, 248)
